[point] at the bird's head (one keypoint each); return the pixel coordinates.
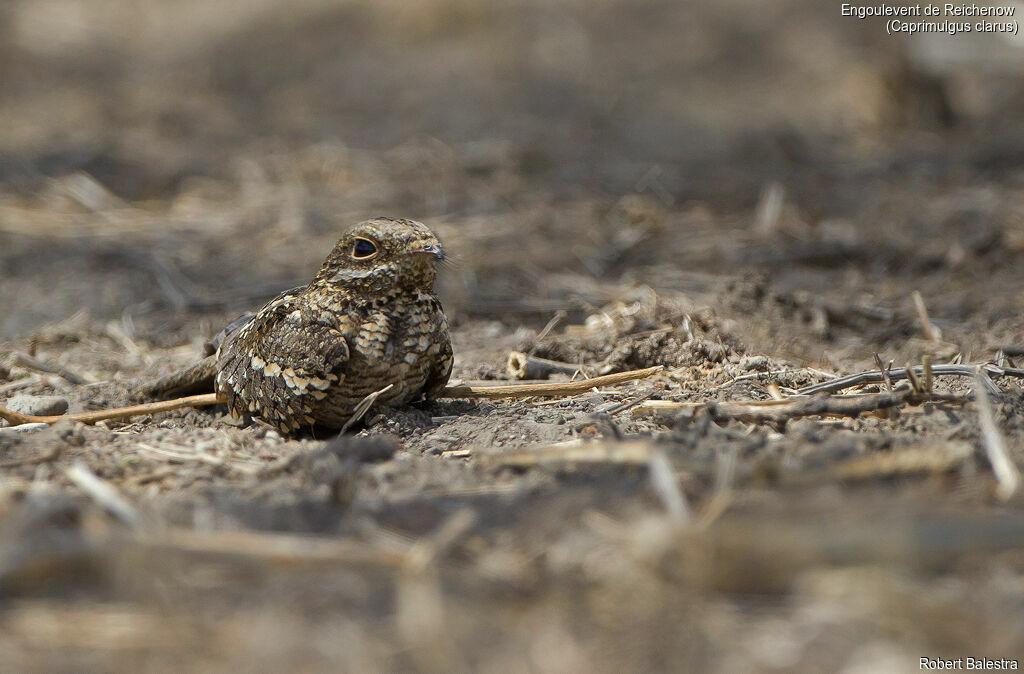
(383, 254)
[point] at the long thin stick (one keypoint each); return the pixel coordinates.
(756, 411)
(16, 419)
(511, 391)
(547, 389)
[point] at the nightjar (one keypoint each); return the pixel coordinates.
(368, 319)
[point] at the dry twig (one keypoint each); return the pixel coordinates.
(847, 406)
(524, 366)
(549, 389)
(777, 411)
(16, 419)
(1006, 472)
(875, 377)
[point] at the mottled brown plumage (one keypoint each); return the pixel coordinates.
(368, 319)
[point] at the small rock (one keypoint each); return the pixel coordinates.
(37, 405)
(23, 428)
(708, 350)
(433, 447)
(754, 363)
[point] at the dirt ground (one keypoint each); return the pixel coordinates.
(747, 195)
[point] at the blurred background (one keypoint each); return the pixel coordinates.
(164, 160)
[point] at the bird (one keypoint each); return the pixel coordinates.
(368, 323)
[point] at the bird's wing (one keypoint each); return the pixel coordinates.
(280, 363)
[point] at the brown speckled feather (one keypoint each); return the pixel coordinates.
(278, 364)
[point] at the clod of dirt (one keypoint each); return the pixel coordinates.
(337, 464)
(643, 331)
(610, 353)
(400, 421)
(68, 432)
(364, 448)
(329, 475)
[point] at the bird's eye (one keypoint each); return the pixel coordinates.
(363, 248)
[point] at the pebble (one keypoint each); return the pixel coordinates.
(23, 428)
(754, 363)
(37, 405)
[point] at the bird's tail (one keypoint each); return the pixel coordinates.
(198, 378)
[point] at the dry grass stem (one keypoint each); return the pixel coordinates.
(555, 320)
(884, 370)
(105, 494)
(547, 389)
(27, 361)
(769, 209)
(634, 453)
(666, 486)
(278, 549)
(929, 329)
(1003, 467)
(364, 406)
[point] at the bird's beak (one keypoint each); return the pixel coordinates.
(432, 249)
